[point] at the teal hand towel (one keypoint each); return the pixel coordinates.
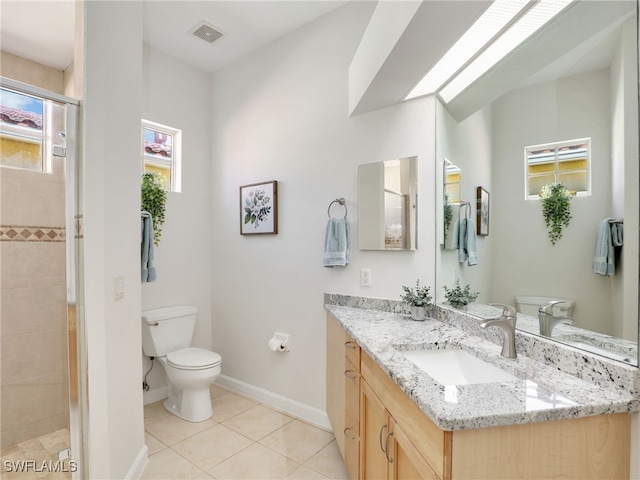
(336, 243)
(603, 260)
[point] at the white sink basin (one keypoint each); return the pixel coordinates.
(456, 367)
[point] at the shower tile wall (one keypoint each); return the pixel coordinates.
(33, 306)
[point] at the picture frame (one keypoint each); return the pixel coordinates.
(259, 208)
(482, 212)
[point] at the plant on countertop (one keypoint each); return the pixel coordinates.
(459, 297)
(154, 199)
(556, 209)
(416, 296)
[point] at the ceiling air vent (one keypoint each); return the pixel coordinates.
(206, 32)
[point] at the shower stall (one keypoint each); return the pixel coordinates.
(41, 321)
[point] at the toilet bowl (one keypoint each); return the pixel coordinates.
(166, 336)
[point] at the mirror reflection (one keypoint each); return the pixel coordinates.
(388, 205)
(561, 110)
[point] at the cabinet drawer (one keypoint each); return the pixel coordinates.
(352, 389)
(352, 350)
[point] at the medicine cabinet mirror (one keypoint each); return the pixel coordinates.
(574, 79)
(388, 205)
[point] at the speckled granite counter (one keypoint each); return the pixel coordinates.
(543, 392)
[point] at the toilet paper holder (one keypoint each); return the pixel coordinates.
(278, 343)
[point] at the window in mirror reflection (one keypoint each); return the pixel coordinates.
(562, 162)
(452, 176)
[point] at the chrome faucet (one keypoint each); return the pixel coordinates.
(507, 323)
(548, 320)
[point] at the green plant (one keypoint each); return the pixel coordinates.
(556, 209)
(417, 296)
(448, 215)
(458, 296)
(154, 199)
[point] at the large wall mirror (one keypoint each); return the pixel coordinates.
(563, 107)
(388, 205)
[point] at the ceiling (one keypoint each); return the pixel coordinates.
(26, 28)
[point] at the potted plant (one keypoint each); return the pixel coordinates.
(418, 299)
(556, 209)
(154, 199)
(459, 297)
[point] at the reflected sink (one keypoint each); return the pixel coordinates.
(456, 367)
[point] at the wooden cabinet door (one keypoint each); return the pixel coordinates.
(352, 416)
(374, 430)
(336, 365)
(406, 463)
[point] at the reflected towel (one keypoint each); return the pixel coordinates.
(617, 234)
(148, 273)
(465, 234)
(336, 243)
(603, 262)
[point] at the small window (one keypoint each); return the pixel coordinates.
(161, 153)
(563, 162)
(22, 132)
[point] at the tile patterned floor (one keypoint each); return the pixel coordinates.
(243, 440)
(37, 458)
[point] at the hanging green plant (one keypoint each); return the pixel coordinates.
(448, 215)
(556, 209)
(154, 199)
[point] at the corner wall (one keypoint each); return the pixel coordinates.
(282, 114)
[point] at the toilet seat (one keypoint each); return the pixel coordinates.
(193, 358)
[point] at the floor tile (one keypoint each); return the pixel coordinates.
(298, 440)
(211, 446)
(303, 473)
(216, 390)
(328, 461)
(153, 444)
(168, 465)
(155, 411)
(254, 462)
(171, 430)
(257, 422)
(229, 404)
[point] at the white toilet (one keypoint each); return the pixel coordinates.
(166, 335)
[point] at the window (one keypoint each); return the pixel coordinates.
(563, 162)
(22, 131)
(161, 153)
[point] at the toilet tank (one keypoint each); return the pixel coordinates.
(167, 329)
(529, 305)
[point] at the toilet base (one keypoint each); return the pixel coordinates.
(191, 405)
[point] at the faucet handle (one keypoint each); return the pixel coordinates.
(507, 310)
(548, 307)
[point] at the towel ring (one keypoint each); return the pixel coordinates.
(342, 202)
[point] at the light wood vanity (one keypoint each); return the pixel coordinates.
(382, 433)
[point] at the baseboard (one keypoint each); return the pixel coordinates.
(135, 471)
(154, 395)
(305, 412)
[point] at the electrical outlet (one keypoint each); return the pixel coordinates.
(365, 277)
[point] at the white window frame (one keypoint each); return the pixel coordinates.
(174, 163)
(556, 172)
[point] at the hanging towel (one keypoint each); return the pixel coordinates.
(148, 268)
(336, 243)
(617, 234)
(465, 234)
(603, 263)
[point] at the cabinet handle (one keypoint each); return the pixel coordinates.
(350, 344)
(351, 374)
(350, 437)
(381, 446)
(386, 447)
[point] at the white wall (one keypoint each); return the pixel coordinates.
(178, 95)
(111, 141)
(281, 114)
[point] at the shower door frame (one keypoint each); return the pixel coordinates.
(76, 348)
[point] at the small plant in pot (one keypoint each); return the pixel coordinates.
(418, 299)
(459, 297)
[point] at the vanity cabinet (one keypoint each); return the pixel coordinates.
(343, 393)
(397, 440)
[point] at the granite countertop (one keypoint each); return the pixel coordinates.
(541, 393)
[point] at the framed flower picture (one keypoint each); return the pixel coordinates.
(259, 208)
(482, 209)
